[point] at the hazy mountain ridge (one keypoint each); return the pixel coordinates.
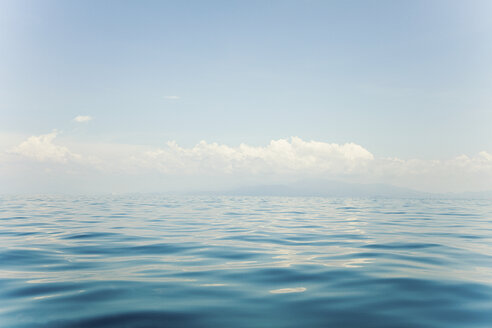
(328, 188)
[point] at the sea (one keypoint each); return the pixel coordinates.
(227, 261)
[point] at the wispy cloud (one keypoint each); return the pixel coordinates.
(82, 118)
(172, 97)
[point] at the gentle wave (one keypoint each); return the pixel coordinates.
(159, 261)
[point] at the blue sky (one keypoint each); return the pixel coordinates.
(403, 79)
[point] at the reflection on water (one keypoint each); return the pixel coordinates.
(158, 261)
(288, 290)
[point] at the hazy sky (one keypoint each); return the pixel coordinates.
(119, 95)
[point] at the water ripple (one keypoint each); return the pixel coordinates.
(160, 261)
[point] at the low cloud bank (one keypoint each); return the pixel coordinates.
(280, 160)
(278, 157)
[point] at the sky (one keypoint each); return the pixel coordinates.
(122, 96)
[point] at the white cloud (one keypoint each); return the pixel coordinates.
(283, 160)
(281, 156)
(41, 148)
(82, 119)
(461, 173)
(172, 97)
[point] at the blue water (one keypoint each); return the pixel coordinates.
(160, 261)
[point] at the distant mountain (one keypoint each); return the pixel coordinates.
(327, 188)
(469, 195)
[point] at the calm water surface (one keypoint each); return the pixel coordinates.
(159, 261)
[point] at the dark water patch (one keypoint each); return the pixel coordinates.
(38, 289)
(16, 218)
(117, 249)
(135, 320)
(30, 224)
(294, 212)
(456, 214)
(93, 235)
(287, 275)
(93, 297)
(424, 288)
(452, 235)
(17, 233)
(161, 248)
(26, 257)
(226, 253)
